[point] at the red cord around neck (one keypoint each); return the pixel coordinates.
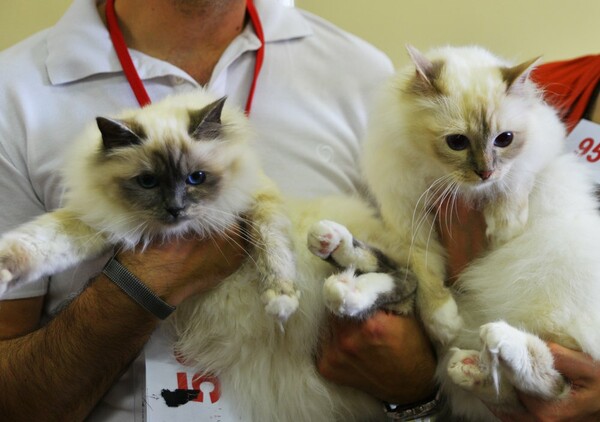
(132, 75)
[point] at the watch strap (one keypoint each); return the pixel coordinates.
(413, 411)
(136, 290)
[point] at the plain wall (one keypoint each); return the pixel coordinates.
(516, 29)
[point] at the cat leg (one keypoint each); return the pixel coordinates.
(46, 245)
(370, 278)
(524, 358)
(437, 307)
(350, 295)
(506, 218)
(332, 241)
(269, 230)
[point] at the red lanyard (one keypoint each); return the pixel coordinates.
(132, 75)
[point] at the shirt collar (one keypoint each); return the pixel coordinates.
(281, 22)
(79, 45)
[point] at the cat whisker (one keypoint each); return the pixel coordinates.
(432, 192)
(452, 208)
(247, 233)
(437, 186)
(447, 191)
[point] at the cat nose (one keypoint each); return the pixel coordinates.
(175, 211)
(484, 174)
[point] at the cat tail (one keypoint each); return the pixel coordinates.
(46, 245)
(269, 232)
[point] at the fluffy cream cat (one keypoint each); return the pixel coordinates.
(185, 165)
(461, 122)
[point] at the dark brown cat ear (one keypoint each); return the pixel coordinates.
(206, 122)
(427, 71)
(516, 76)
(116, 133)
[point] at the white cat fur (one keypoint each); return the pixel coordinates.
(273, 372)
(92, 219)
(268, 373)
(541, 275)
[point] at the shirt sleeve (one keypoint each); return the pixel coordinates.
(18, 205)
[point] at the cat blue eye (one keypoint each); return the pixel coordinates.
(196, 178)
(147, 181)
(504, 139)
(457, 142)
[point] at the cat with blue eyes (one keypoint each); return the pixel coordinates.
(152, 175)
(185, 165)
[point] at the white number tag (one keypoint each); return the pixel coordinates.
(584, 141)
(176, 393)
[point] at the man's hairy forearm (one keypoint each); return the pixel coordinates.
(61, 371)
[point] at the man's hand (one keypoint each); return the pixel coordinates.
(183, 267)
(97, 335)
(462, 231)
(387, 356)
(583, 402)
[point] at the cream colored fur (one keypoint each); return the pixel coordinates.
(259, 330)
(541, 276)
(271, 372)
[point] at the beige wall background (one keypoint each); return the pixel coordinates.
(516, 29)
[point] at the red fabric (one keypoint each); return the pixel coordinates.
(260, 54)
(123, 54)
(569, 85)
(132, 75)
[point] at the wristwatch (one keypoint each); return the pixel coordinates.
(412, 411)
(136, 290)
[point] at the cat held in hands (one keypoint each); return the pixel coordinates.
(460, 123)
(186, 165)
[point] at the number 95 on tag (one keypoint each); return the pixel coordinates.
(584, 141)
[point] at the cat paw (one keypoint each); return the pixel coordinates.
(525, 358)
(445, 323)
(325, 237)
(14, 261)
(5, 275)
(281, 302)
(465, 371)
(349, 295)
(504, 342)
(468, 370)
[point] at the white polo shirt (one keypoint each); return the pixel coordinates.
(310, 111)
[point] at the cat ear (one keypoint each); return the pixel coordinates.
(206, 122)
(516, 76)
(116, 133)
(426, 69)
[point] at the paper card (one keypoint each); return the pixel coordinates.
(584, 141)
(175, 393)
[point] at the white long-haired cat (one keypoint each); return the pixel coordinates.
(462, 122)
(154, 174)
(185, 165)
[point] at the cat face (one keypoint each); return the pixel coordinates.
(165, 178)
(472, 115)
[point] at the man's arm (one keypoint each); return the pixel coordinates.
(60, 371)
(387, 356)
(20, 316)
